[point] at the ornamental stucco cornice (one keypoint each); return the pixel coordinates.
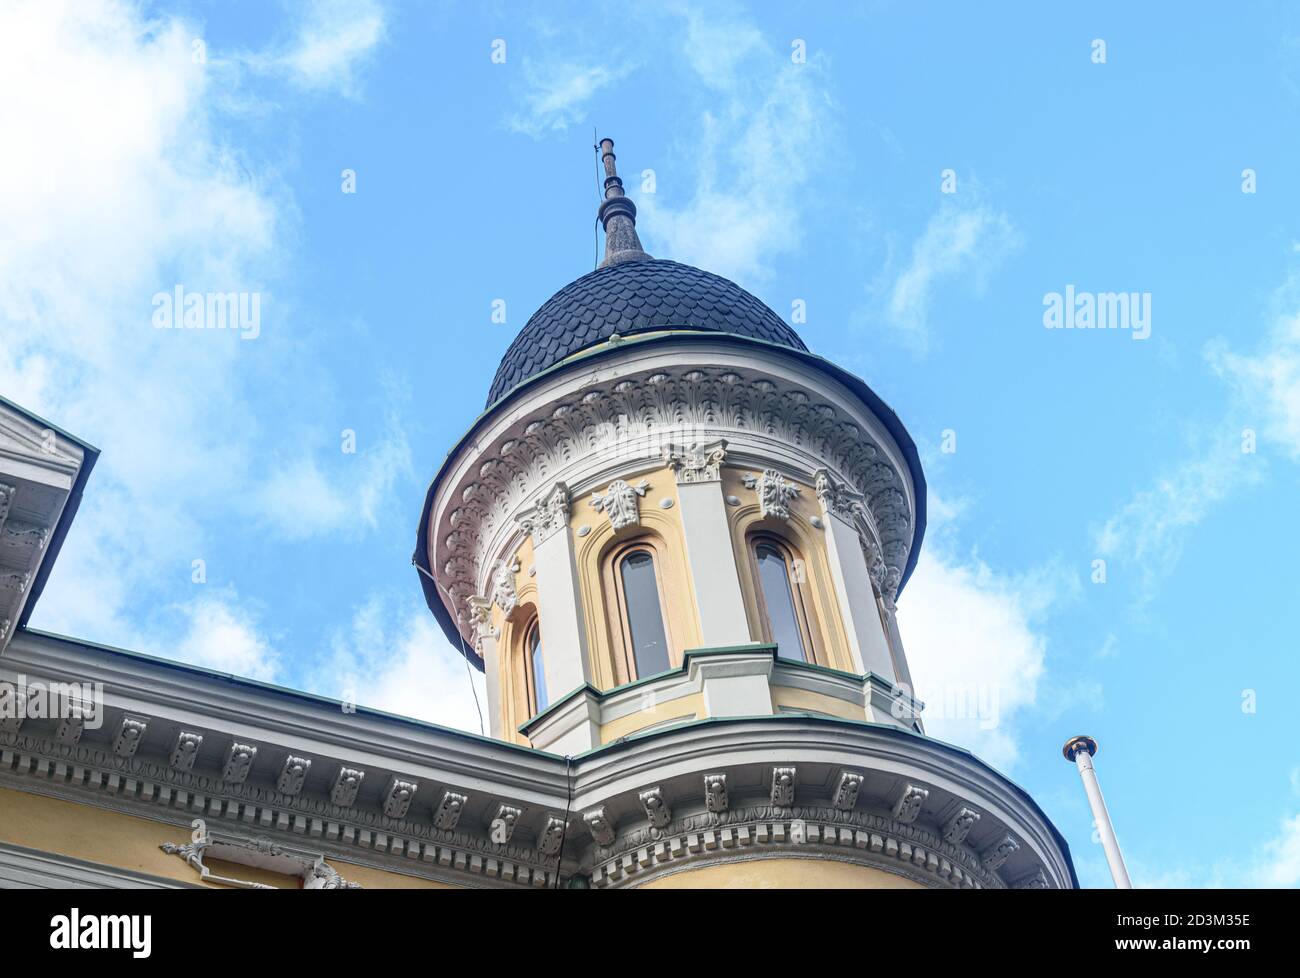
(589, 426)
(892, 762)
(845, 778)
(39, 467)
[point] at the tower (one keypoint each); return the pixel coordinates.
(673, 542)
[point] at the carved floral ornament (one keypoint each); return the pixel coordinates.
(259, 853)
(548, 516)
(774, 493)
(513, 470)
(621, 502)
(696, 464)
(837, 498)
(503, 586)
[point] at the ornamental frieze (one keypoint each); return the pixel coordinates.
(873, 839)
(929, 853)
(265, 807)
(485, 505)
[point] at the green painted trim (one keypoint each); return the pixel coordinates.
(725, 649)
(706, 652)
(585, 687)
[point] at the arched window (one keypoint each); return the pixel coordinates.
(780, 575)
(640, 612)
(535, 668)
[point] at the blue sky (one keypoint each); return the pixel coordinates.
(136, 160)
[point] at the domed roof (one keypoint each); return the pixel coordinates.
(634, 297)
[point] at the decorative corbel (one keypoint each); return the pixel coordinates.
(293, 774)
(503, 826)
(846, 792)
(346, 785)
(599, 825)
(239, 761)
(959, 826)
(656, 809)
(185, 750)
(715, 793)
(995, 855)
(448, 812)
(552, 835)
(130, 731)
(398, 796)
(909, 803)
(783, 781)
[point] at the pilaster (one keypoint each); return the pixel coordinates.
(867, 640)
(709, 552)
(559, 599)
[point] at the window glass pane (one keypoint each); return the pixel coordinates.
(774, 576)
(644, 618)
(539, 669)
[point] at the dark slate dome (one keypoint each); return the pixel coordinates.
(634, 296)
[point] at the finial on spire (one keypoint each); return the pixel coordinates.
(617, 215)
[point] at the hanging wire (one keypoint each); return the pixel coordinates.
(568, 809)
(464, 650)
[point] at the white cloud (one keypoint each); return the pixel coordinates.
(299, 499)
(758, 144)
(1267, 384)
(1278, 864)
(1273, 863)
(333, 40)
(964, 240)
(1151, 530)
(122, 185)
(394, 658)
(975, 641)
(555, 94)
(219, 638)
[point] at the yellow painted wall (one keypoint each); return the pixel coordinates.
(131, 843)
(831, 639)
(682, 708)
(782, 873)
(674, 573)
(604, 643)
(802, 699)
(693, 707)
(512, 674)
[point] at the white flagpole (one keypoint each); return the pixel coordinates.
(1080, 751)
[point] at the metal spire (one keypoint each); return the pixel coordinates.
(617, 215)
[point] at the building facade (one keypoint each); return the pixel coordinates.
(673, 542)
